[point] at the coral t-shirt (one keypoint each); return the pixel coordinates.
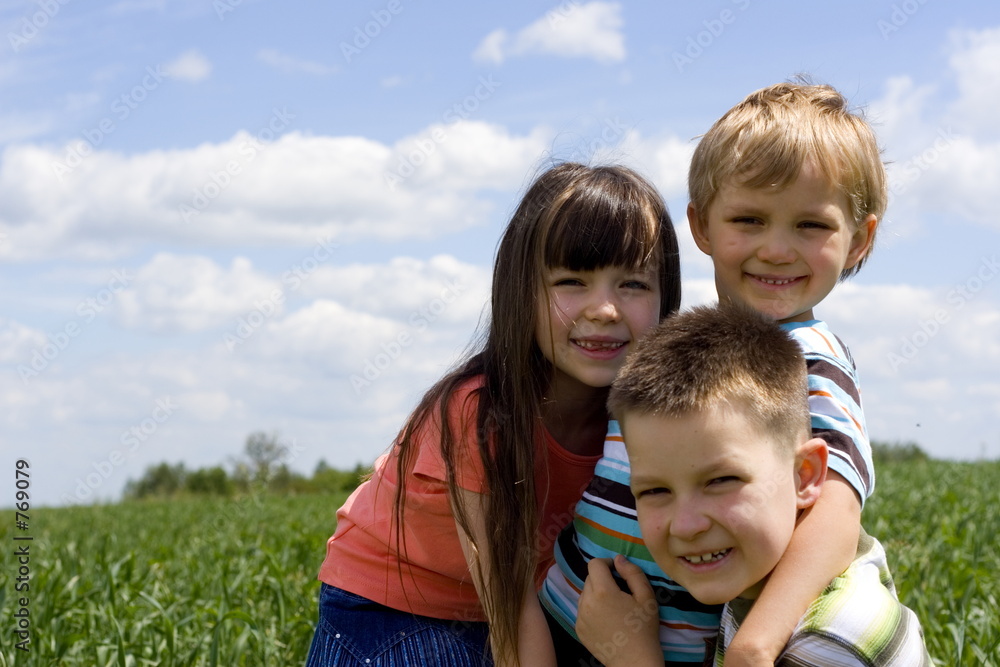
(431, 577)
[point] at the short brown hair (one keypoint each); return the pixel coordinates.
(717, 354)
(765, 140)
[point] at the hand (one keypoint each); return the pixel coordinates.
(618, 628)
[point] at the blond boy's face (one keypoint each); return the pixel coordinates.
(717, 500)
(781, 250)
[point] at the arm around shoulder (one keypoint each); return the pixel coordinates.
(823, 545)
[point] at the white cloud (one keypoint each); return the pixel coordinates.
(945, 150)
(337, 369)
(572, 30)
(405, 287)
(492, 48)
(925, 358)
(288, 191)
(190, 66)
(287, 63)
(664, 160)
(17, 341)
(188, 293)
(975, 61)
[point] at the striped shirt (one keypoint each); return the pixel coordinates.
(856, 622)
(605, 520)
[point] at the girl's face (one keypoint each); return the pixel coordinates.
(588, 321)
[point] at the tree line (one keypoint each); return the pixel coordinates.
(263, 468)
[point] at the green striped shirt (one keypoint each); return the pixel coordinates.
(856, 622)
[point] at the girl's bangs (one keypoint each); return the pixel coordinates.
(596, 227)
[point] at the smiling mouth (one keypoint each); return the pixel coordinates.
(776, 281)
(598, 345)
(707, 558)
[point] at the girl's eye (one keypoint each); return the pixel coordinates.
(655, 491)
(637, 284)
(746, 220)
(569, 281)
(724, 479)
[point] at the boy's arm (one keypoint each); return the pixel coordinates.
(619, 629)
(823, 545)
(534, 642)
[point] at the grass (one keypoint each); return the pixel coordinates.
(172, 583)
(214, 582)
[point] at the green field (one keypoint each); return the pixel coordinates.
(233, 582)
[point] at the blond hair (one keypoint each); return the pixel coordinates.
(767, 138)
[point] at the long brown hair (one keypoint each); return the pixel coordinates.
(572, 216)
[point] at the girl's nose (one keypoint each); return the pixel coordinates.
(603, 307)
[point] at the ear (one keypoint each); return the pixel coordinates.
(861, 241)
(810, 472)
(699, 230)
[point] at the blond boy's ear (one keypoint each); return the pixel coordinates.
(699, 230)
(810, 472)
(861, 241)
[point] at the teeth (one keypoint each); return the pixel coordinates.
(594, 345)
(706, 558)
(776, 282)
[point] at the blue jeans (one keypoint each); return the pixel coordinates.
(354, 631)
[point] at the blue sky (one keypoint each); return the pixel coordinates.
(214, 215)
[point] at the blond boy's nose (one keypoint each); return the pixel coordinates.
(776, 248)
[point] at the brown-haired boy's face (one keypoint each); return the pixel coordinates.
(717, 499)
(781, 250)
